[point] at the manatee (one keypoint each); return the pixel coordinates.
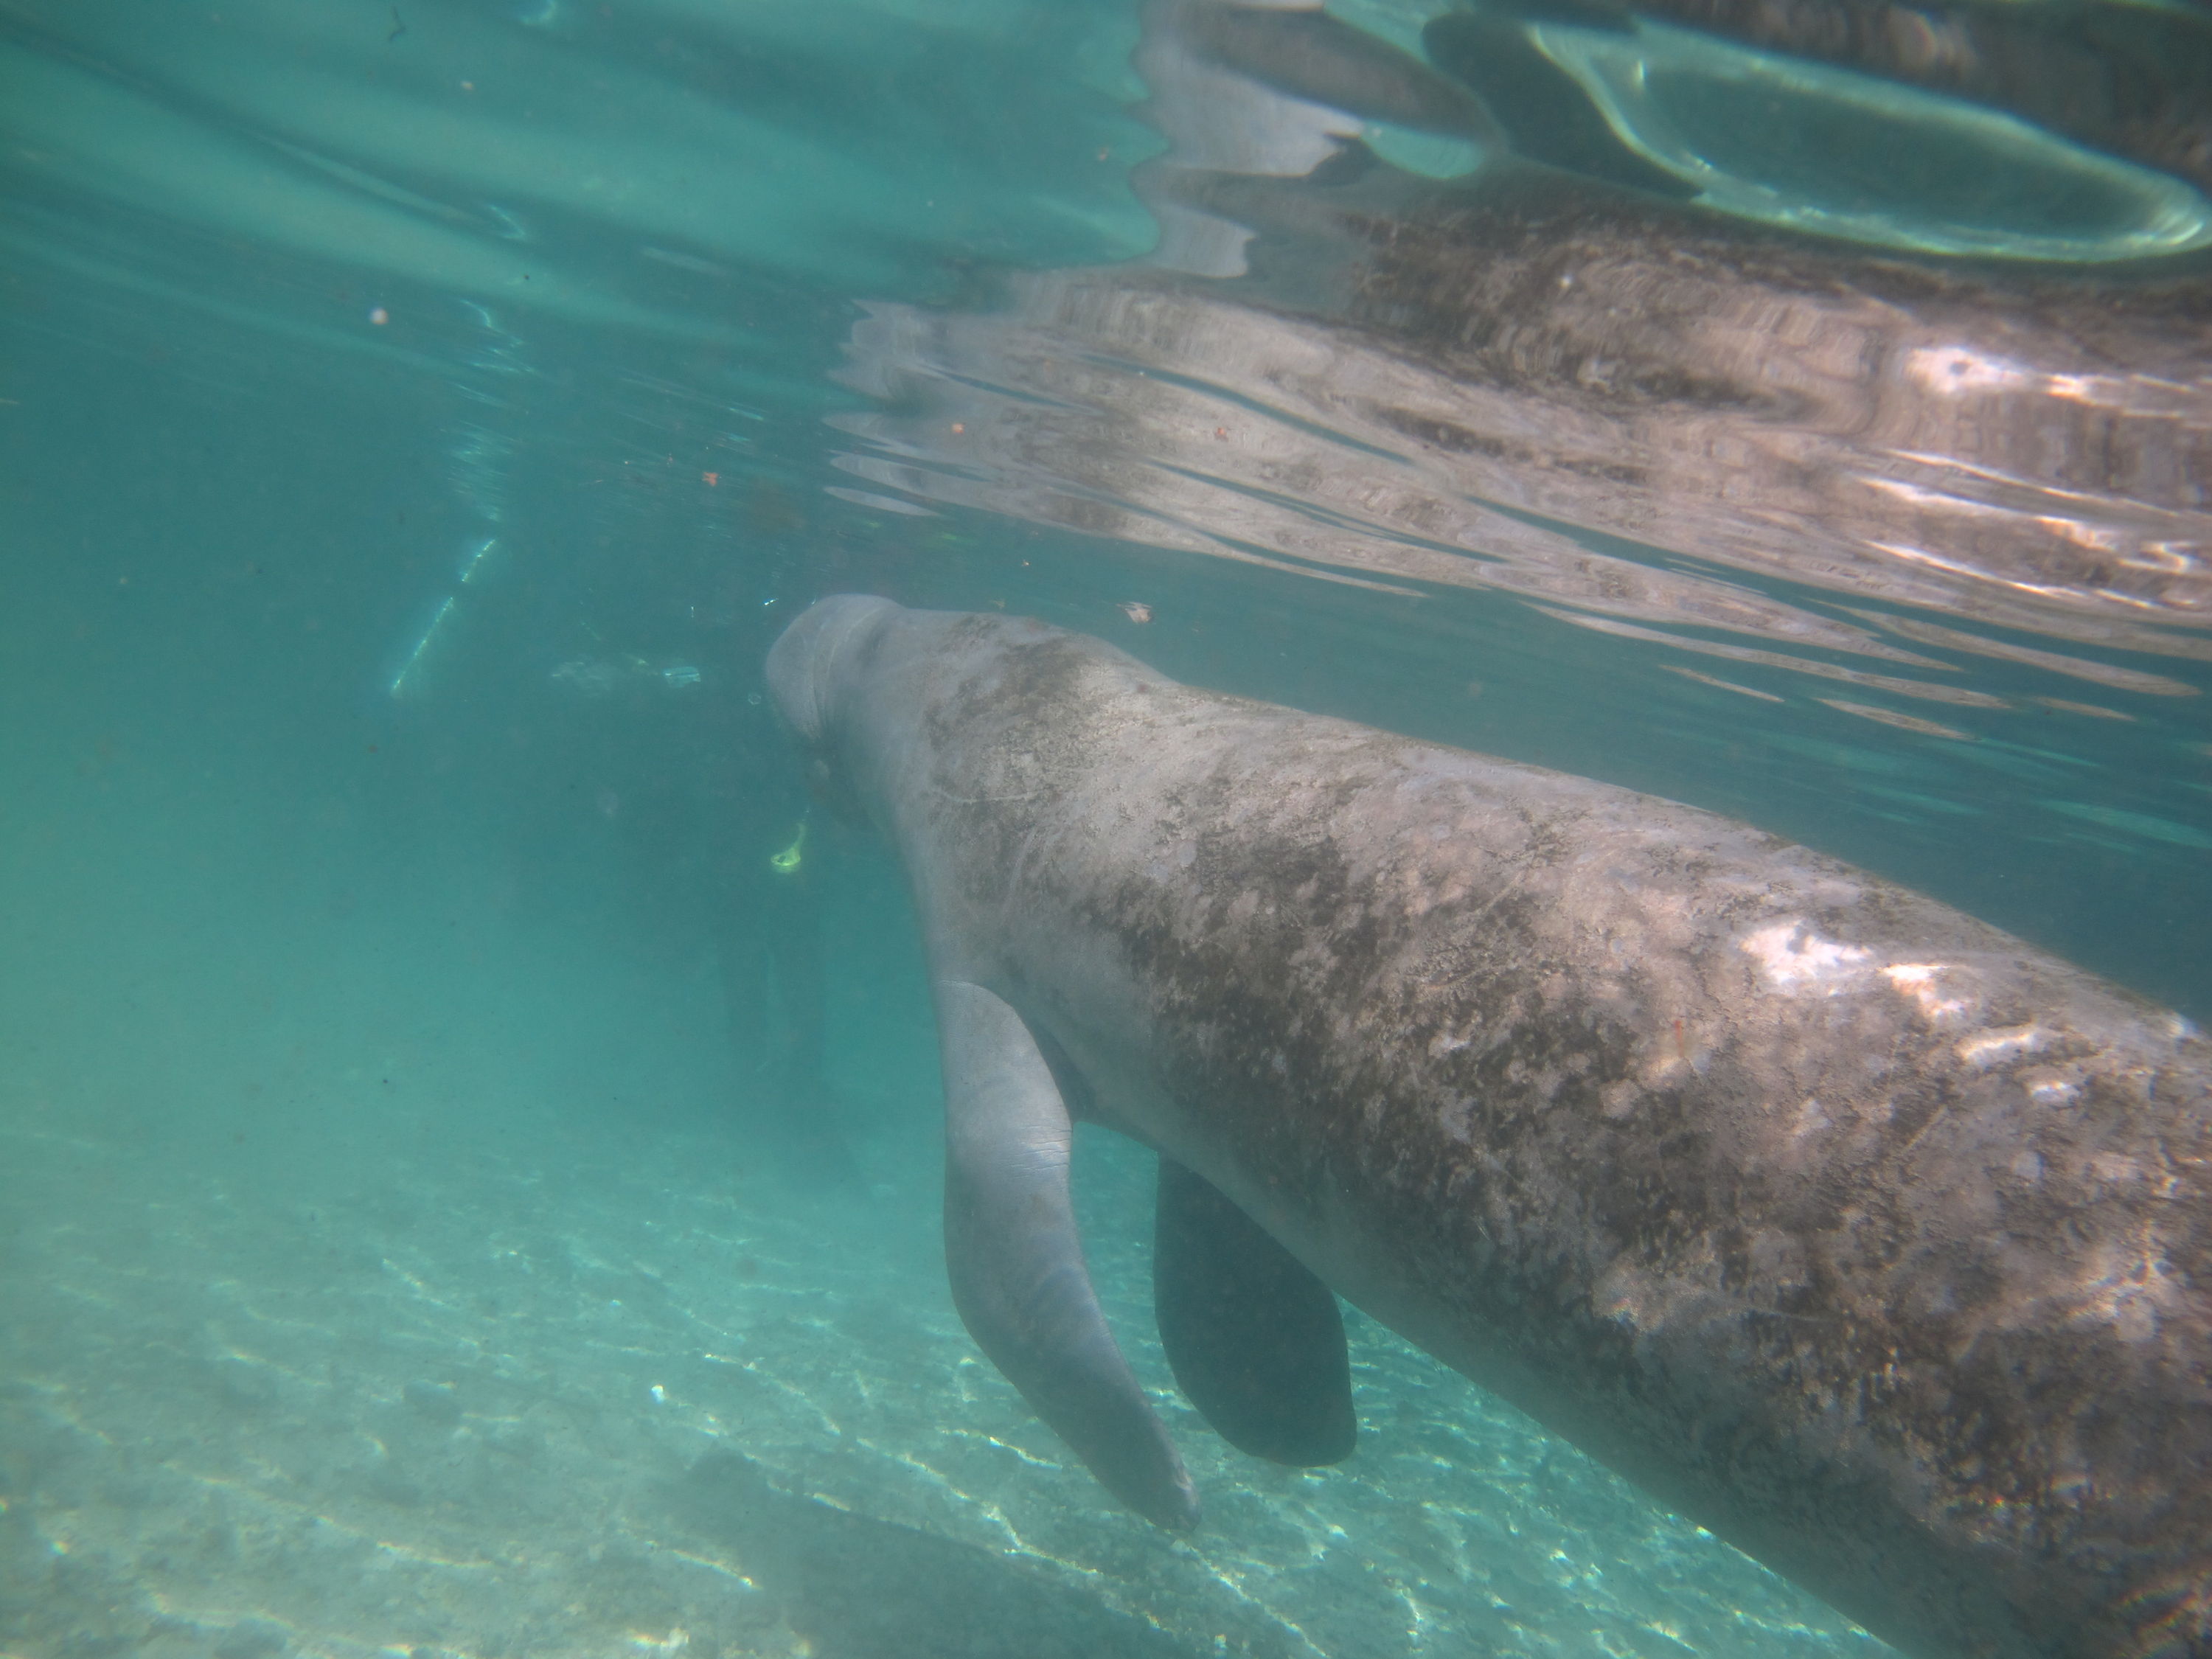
(1868, 1236)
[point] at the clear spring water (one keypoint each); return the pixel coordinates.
(422, 1227)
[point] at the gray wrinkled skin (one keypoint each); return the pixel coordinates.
(1870, 1237)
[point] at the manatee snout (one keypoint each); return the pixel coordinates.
(805, 665)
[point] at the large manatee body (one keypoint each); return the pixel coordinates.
(1870, 1237)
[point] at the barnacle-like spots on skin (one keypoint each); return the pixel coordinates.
(2129, 1285)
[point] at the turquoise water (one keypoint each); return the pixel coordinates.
(461, 1199)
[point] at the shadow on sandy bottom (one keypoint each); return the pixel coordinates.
(857, 1587)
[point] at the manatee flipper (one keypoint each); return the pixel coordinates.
(1016, 1266)
(1253, 1338)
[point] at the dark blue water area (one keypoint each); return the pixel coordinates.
(470, 1140)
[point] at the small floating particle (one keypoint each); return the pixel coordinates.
(379, 316)
(712, 478)
(1137, 610)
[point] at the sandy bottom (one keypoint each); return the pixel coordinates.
(452, 1387)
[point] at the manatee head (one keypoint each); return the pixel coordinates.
(805, 665)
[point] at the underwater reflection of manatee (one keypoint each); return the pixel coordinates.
(857, 1587)
(1954, 395)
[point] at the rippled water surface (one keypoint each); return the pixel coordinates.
(469, 1144)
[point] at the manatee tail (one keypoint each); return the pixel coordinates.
(1016, 1266)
